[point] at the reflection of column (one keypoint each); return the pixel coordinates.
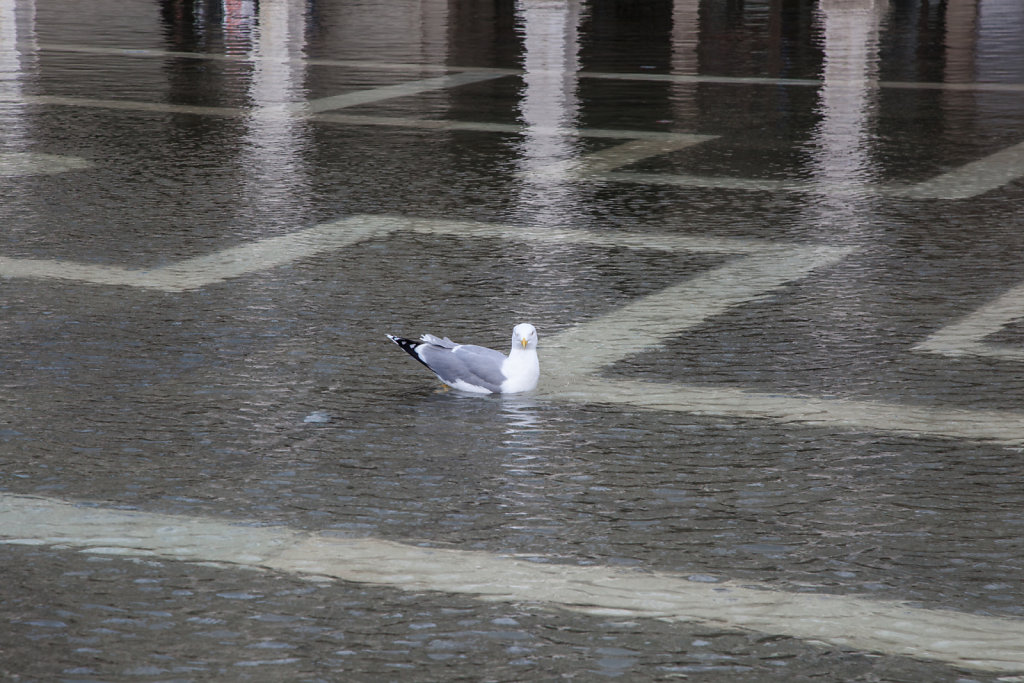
(840, 167)
(841, 144)
(960, 42)
(685, 36)
(14, 35)
(840, 149)
(549, 105)
(274, 141)
(685, 41)
(239, 21)
(279, 72)
(961, 33)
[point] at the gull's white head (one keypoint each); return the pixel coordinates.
(524, 335)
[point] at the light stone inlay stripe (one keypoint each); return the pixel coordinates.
(970, 641)
(967, 335)
(19, 164)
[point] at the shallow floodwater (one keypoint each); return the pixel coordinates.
(773, 254)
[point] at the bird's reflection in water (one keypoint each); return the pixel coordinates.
(526, 470)
(524, 424)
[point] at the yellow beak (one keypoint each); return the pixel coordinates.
(523, 342)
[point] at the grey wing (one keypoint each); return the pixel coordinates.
(473, 364)
(431, 339)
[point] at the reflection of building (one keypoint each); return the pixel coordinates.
(208, 25)
(627, 36)
(409, 32)
(1000, 48)
(484, 34)
(955, 41)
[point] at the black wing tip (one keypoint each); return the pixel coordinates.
(402, 341)
(409, 346)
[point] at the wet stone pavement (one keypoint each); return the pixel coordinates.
(773, 253)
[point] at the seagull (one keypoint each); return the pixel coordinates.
(478, 369)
